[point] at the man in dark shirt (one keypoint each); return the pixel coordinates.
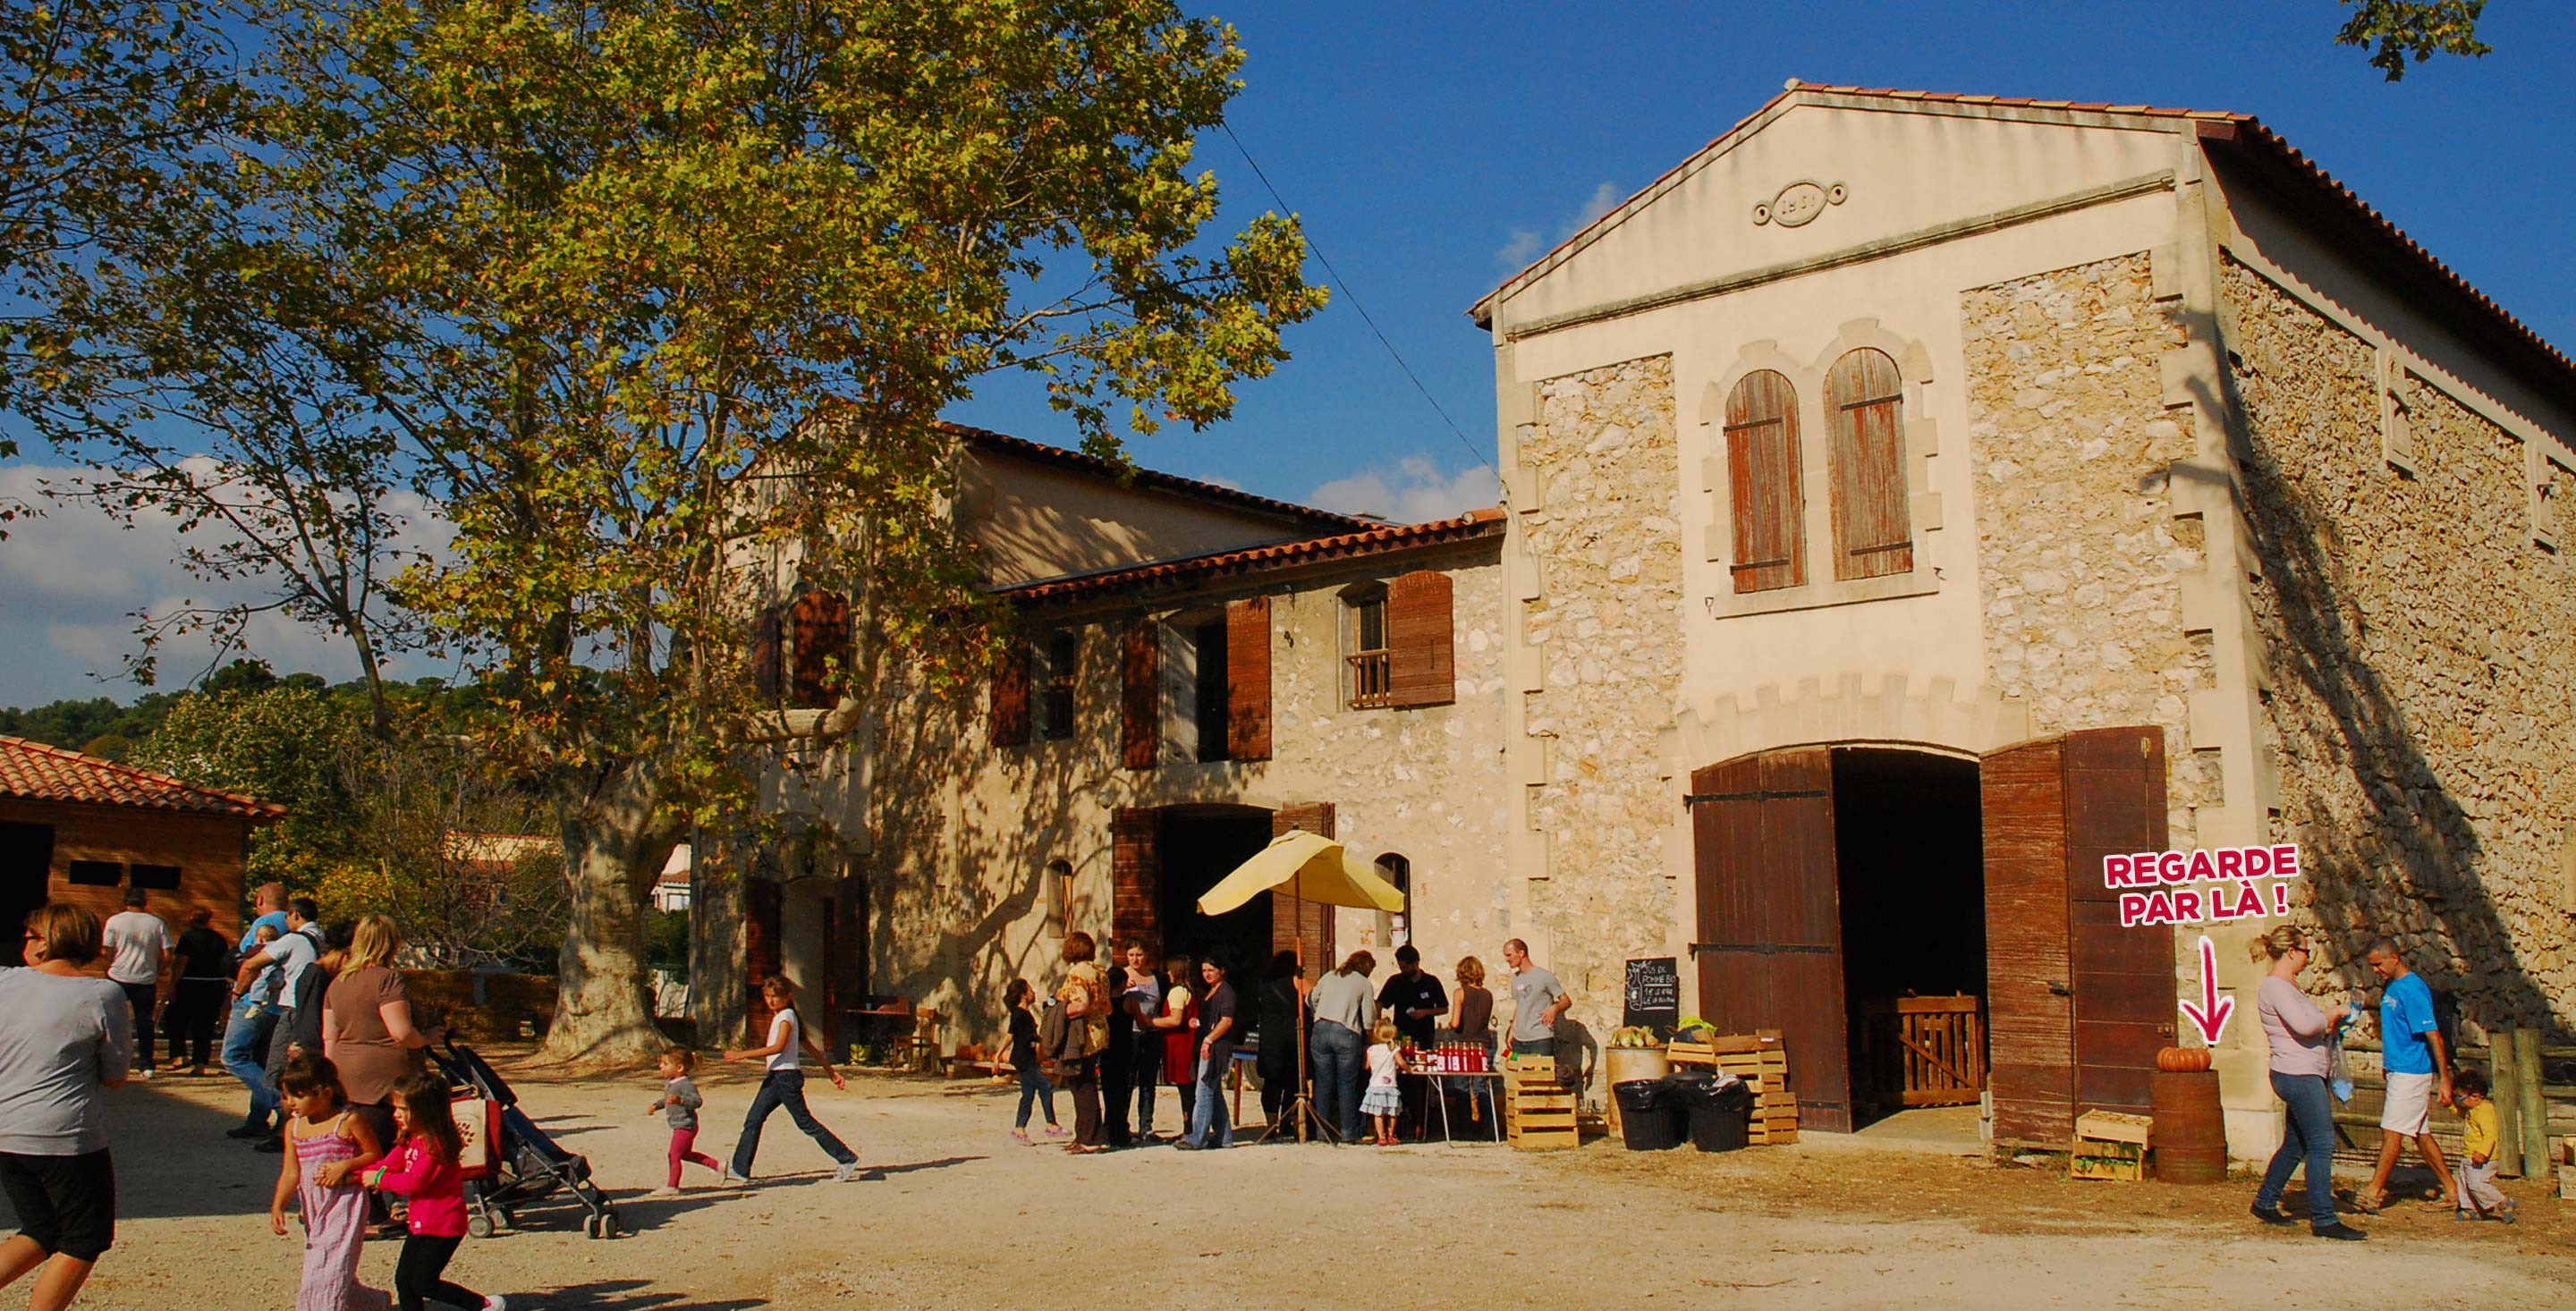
(1416, 1001)
(1118, 1067)
(204, 984)
(1217, 1024)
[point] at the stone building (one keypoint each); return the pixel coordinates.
(1914, 498)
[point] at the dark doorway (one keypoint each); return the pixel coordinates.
(26, 871)
(1200, 845)
(1910, 870)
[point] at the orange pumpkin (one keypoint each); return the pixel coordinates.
(2182, 1060)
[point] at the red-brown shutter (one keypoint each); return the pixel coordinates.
(1865, 409)
(1247, 679)
(2077, 1005)
(1768, 505)
(1420, 633)
(760, 910)
(1141, 702)
(768, 640)
(1770, 909)
(821, 621)
(1297, 925)
(1010, 698)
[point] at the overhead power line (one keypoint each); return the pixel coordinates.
(1334, 275)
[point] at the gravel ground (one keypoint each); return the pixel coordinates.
(950, 1212)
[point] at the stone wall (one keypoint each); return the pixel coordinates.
(2421, 680)
(1605, 544)
(2081, 558)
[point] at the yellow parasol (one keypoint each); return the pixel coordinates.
(1305, 867)
(1308, 867)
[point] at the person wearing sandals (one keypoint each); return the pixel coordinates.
(2297, 1032)
(2414, 1056)
(1083, 1000)
(1024, 1062)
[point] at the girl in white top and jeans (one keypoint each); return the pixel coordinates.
(784, 1085)
(2297, 1031)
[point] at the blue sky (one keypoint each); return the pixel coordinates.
(1428, 145)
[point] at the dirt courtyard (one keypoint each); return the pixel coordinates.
(949, 1212)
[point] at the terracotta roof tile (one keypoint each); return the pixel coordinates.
(2261, 145)
(1198, 569)
(1063, 457)
(37, 772)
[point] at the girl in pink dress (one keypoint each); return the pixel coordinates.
(327, 1146)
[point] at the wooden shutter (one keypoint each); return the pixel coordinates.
(1010, 697)
(1770, 916)
(821, 621)
(1420, 635)
(1304, 927)
(1865, 409)
(768, 643)
(1247, 679)
(2076, 1005)
(1141, 702)
(1769, 508)
(760, 958)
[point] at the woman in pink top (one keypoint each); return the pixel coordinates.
(2298, 1031)
(424, 1166)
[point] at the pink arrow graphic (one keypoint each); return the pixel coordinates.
(2212, 1012)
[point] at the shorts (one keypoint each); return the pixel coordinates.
(66, 1204)
(2410, 1104)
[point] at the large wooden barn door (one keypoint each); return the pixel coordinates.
(1771, 919)
(2076, 1005)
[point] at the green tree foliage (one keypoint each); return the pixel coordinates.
(288, 745)
(74, 724)
(632, 295)
(2394, 30)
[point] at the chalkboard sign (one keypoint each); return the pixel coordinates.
(1654, 996)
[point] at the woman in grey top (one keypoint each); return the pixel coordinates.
(69, 1036)
(2297, 1031)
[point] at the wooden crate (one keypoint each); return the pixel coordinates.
(1762, 1062)
(1538, 1112)
(2110, 1145)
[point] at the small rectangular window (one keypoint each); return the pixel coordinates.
(1058, 892)
(96, 873)
(157, 878)
(1370, 662)
(1063, 660)
(1208, 658)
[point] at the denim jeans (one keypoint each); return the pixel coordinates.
(1034, 1087)
(1149, 1071)
(1208, 1113)
(246, 1053)
(1339, 1068)
(2308, 1136)
(784, 1088)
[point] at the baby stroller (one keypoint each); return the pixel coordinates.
(524, 1164)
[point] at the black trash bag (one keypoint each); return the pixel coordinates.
(1649, 1119)
(1720, 1116)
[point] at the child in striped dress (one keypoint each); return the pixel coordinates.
(327, 1145)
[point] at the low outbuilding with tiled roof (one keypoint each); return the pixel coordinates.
(80, 830)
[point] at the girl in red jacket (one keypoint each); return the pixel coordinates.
(423, 1166)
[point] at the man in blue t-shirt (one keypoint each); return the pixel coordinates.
(2412, 1051)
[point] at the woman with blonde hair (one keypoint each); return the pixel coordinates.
(2297, 1032)
(69, 1038)
(367, 1028)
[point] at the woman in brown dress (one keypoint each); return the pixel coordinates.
(367, 1028)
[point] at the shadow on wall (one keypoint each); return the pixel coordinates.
(2411, 850)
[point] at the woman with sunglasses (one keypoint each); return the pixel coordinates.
(2298, 1031)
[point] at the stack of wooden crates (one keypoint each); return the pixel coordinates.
(2110, 1145)
(1759, 1059)
(1537, 1110)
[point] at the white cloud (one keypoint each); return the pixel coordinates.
(1414, 491)
(1525, 244)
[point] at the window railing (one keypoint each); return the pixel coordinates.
(1372, 674)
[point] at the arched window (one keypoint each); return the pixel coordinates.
(1768, 505)
(1865, 409)
(1398, 872)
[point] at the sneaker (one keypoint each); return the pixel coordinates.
(2271, 1215)
(664, 1191)
(844, 1173)
(1020, 1136)
(144, 1073)
(2339, 1231)
(732, 1180)
(496, 1303)
(272, 1144)
(247, 1130)
(2506, 1216)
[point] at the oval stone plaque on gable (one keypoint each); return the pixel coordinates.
(1798, 204)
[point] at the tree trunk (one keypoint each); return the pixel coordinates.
(615, 843)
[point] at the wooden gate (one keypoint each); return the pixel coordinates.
(1770, 908)
(2076, 1005)
(1921, 1051)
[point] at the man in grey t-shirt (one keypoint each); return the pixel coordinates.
(1538, 1002)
